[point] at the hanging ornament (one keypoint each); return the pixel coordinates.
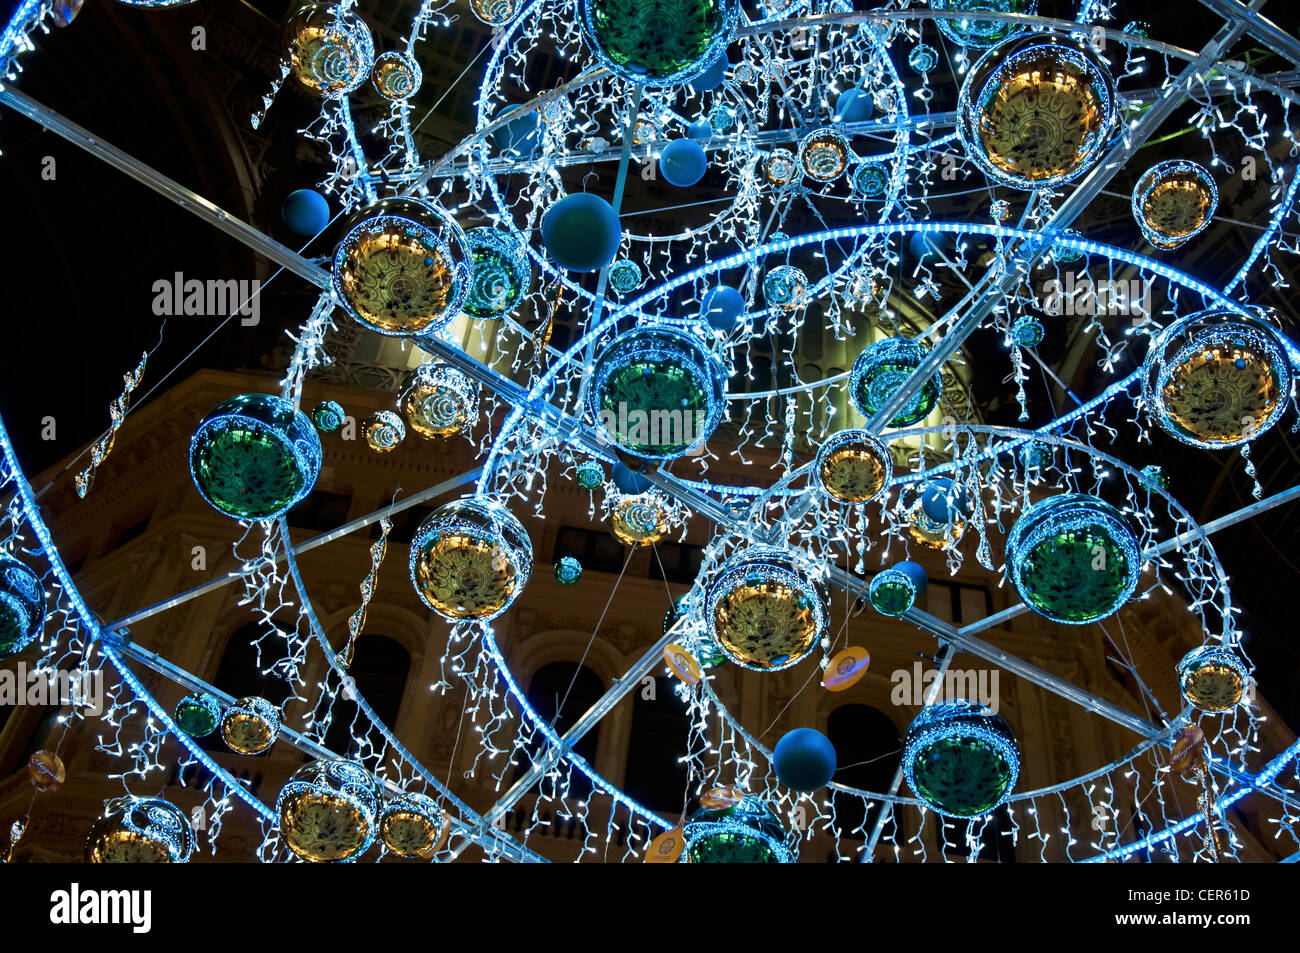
(357, 621)
(117, 413)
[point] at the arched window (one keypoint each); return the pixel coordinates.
(660, 730)
(570, 690)
(867, 751)
(240, 672)
(380, 667)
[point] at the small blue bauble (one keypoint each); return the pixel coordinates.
(581, 232)
(1027, 332)
(923, 58)
(306, 212)
(722, 307)
(870, 179)
(854, 105)
(682, 163)
(700, 129)
(804, 760)
(712, 77)
(945, 501)
(629, 481)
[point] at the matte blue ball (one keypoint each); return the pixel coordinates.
(306, 212)
(854, 105)
(581, 232)
(722, 307)
(804, 760)
(682, 163)
(519, 135)
(700, 129)
(712, 77)
(944, 501)
(628, 480)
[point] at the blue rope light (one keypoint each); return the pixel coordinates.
(32, 512)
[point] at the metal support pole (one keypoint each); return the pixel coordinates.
(554, 754)
(887, 808)
(187, 199)
(314, 543)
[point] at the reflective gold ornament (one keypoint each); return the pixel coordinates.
(494, 12)
(140, 830)
(824, 155)
(780, 167)
(853, 466)
(384, 430)
(413, 826)
(932, 533)
(1213, 678)
(641, 519)
(438, 400)
(1036, 113)
(403, 267)
(250, 725)
(1174, 201)
(327, 811)
(764, 610)
(330, 52)
(470, 560)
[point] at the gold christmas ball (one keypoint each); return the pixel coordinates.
(439, 401)
(46, 771)
(413, 826)
(250, 725)
(140, 830)
(765, 610)
(641, 519)
(327, 811)
(470, 560)
(853, 466)
(1036, 113)
(403, 267)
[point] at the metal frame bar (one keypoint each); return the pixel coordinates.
(315, 542)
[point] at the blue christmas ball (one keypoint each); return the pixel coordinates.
(306, 212)
(854, 105)
(945, 501)
(519, 135)
(804, 760)
(700, 129)
(722, 307)
(628, 480)
(712, 77)
(682, 163)
(581, 232)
